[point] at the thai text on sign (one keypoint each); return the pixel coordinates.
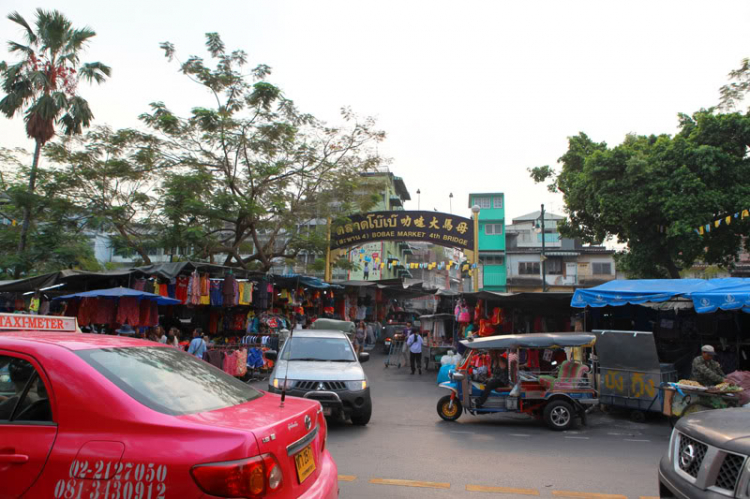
(443, 229)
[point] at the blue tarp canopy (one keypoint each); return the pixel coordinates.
(119, 293)
(302, 280)
(731, 293)
(729, 296)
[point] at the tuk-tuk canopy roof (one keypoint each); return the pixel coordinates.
(536, 340)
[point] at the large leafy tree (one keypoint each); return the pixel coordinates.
(43, 85)
(57, 239)
(653, 192)
(247, 173)
(115, 178)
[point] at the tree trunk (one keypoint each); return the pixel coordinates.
(27, 209)
(674, 272)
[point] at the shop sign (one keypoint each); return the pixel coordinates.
(24, 322)
(443, 229)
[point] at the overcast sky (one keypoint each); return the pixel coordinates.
(471, 94)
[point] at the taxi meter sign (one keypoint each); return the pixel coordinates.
(47, 323)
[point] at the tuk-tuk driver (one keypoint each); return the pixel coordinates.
(706, 370)
(499, 377)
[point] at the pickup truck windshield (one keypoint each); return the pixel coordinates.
(318, 349)
(167, 380)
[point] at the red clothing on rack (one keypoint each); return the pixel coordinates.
(128, 312)
(105, 312)
(181, 290)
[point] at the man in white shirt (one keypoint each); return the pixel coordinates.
(415, 349)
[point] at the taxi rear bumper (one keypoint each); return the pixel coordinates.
(327, 484)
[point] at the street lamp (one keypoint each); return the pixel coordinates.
(475, 278)
(543, 258)
(450, 200)
(419, 200)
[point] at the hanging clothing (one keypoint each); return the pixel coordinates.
(195, 288)
(228, 290)
(181, 291)
(128, 311)
(139, 285)
(86, 310)
(106, 312)
(216, 294)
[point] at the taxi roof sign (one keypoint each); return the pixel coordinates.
(47, 323)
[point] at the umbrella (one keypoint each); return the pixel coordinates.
(119, 293)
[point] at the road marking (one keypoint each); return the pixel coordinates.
(502, 490)
(519, 435)
(636, 440)
(347, 478)
(585, 495)
(411, 483)
(579, 438)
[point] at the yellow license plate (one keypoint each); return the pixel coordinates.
(305, 463)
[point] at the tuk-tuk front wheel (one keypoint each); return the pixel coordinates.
(559, 415)
(447, 411)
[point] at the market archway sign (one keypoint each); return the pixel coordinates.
(433, 227)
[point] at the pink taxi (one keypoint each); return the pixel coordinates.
(105, 417)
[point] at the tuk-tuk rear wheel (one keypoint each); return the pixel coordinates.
(448, 412)
(559, 415)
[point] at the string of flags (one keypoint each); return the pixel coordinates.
(704, 229)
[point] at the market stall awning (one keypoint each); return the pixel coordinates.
(731, 296)
(120, 293)
(639, 291)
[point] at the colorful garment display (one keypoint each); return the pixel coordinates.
(181, 291)
(128, 311)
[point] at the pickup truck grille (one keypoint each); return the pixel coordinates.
(708, 467)
(729, 472)
(330, 386)
(690, 455)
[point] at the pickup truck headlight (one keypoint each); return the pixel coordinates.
(670, 450)
(356, 386)
(278, 383)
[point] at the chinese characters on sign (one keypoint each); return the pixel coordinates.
(432, 227)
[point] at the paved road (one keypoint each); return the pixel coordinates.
(408, 451)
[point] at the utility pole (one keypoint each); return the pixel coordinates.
(544, 257)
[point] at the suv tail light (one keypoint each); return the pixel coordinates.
(247, 478)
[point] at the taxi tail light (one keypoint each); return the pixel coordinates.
(248, 478)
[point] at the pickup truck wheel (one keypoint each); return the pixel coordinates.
(559, 415)
(448, 412)
(363, 417)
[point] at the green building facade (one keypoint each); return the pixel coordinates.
(493, 275)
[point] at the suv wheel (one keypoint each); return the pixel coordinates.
(362, 417)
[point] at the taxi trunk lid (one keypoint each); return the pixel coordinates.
(285, 431)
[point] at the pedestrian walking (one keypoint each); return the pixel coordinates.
(197, 346)
(415, 351)
(359, 338)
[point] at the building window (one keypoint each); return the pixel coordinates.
(528, 268)
(498, 202)
(491, 259)
(493, 229)
(554, 266)
(483, 203)
(602, 268)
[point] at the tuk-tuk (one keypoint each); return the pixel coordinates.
(542, 384)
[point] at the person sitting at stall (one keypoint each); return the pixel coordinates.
(706, 370)
(499, 371)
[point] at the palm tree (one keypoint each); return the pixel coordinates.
(43, 85)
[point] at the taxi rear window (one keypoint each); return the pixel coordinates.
(167, 380)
